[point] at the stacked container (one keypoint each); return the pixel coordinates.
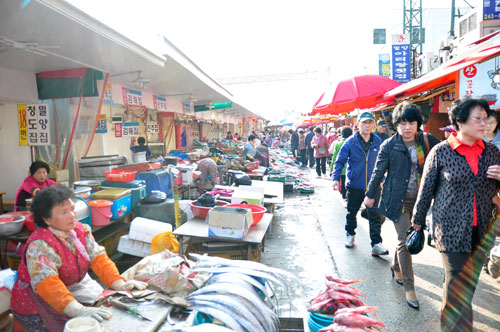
(156, 179)
(121, 198)
(138, 188)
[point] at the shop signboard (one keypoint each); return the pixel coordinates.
(130, 129)
(160, 103)
(132, 97)
(401, 57)
(118, 130)
(38, 124)
(23, 125)
(153, 128)
(108, 95)
(384, 65)
(101, 125)
(491, 10)
(482, 80)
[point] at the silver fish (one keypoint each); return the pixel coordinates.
(236, 277)
(205, 328)
(220, 315)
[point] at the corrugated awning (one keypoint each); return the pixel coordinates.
(447, 73)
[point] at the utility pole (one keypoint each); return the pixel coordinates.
(412, 25)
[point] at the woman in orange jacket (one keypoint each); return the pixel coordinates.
(53, 283)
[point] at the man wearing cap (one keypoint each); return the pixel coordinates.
(360, 153)
(381, 131)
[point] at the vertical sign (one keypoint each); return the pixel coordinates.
(23, 125)
(482, 80)
(108, 95)
(118, 130)
(384, 65)
(38, 125)
(401, 58)
(101, 125)
(153, 128)
(131, 97)
(491, 10)
(130, 129)
(160, 103)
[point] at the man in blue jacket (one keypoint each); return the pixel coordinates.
(310, 150)
(360, 153)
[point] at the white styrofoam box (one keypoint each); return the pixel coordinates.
(143, 229)
(240, 196)
(187, 173)
(134, 247)
(186, 208)
(253, 189)
(229, 222)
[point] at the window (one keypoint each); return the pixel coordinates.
(379, 36)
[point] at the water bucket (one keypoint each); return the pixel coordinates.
(82, 324)
(139, 157)
(101, 212)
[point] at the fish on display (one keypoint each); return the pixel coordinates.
(206, 327)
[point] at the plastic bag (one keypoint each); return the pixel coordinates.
(164, 241)
(242, 179)
(415, 240)
(206, 200)
(154, 197)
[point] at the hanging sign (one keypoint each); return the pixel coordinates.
(108, 95)
(152, 128)
(101, 125)
(160, 103)
(131, 97)
(23, 125)
(491, 10)
(38, 125)
(118, 130)
(482, 80)
(130, 129)
(384, 65)
(401, 58)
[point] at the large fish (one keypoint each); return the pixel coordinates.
(239, 276)
(220, 315)
(205, 328)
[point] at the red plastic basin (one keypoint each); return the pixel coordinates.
(202, 211)
(257, 211)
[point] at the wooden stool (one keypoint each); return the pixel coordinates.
(2, 192)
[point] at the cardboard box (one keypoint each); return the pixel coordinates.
(241, 196)
(228, 222)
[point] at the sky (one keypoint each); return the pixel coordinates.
(232, 38)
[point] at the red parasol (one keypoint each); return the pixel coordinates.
(359, 92)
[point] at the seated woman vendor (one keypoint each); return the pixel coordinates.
(32, 184)
(53, 283)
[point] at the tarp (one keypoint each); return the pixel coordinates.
(68, 83)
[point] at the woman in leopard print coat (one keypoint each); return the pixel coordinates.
(462, 174)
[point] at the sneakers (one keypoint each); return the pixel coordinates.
(349, 242)
(378, 250)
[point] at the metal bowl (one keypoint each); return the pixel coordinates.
(11, 224)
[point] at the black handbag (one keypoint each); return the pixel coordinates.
(415, 240)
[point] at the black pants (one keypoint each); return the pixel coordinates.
(303, 158)
(321, 165)
(294, 153)
(343, 190)
(310, 153)
(355, 198)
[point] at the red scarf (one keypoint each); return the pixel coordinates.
(471, 154)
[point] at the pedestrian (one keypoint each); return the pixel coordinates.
(209, 176)
(250, 149)
(346, 132)
(142, 147)
(320, 145)
(302, 148)
(294, 142)
(262, 154)
(310, 150)
(360, 152)
(492, 131)
(401, 160)
(381, 131)
(462, 174)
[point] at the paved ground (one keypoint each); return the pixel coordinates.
(308, 240)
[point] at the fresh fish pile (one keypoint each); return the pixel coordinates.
(231, 294)
(343, 300)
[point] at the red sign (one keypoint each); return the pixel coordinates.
(118, 130)
(470, 71)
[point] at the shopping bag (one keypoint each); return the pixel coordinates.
(164, 241)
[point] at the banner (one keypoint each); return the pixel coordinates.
(131, 97)
(482, 80)
(101, 125)
(38, 124)
(23, 126)
(130, 129)
(108, 95)
(384, 65)
(401, 58)
(491, 10)
(160, 103)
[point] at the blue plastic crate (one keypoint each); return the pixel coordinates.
(156, 179)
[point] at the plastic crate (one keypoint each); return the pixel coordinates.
(276, 179)
(120, 176)
(227, 250)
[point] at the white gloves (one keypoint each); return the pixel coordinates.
(121, 285)
(76, 309)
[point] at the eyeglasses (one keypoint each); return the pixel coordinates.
(479, 120)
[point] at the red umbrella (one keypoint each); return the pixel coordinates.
(358, 92)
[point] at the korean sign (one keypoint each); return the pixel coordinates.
(36, 124)
(482, 80)
(130, 129)
(23, 126)
(101, 125)
(152, 128)
(160, 103)
(384, 65)
(118, 130)
(108, 95)
(401, 58)
(491, 10)
(131, 97)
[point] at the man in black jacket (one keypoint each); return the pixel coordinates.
(294, 142)
(310, 150)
